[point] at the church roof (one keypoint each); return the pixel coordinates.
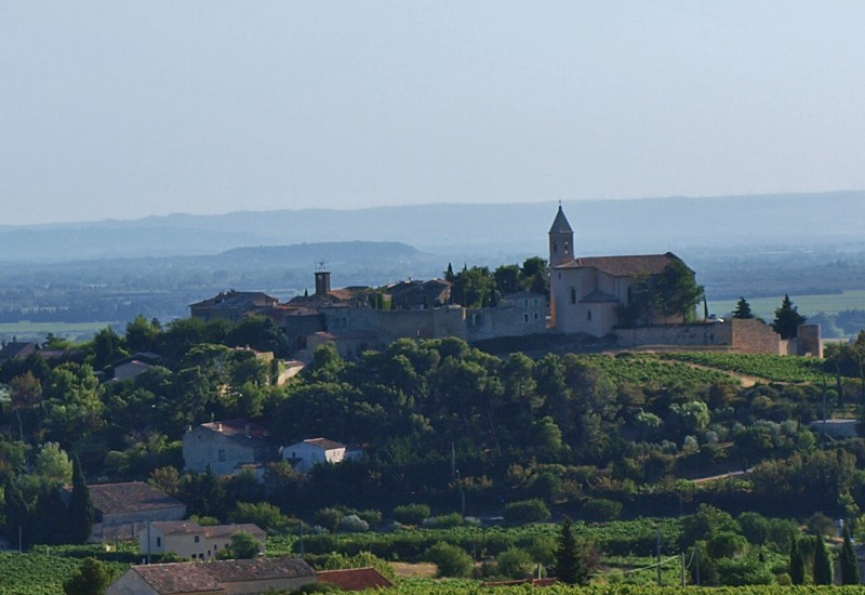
(625, 266)
(560, 223)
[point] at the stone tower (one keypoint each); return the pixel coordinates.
(561, 240)
(561, 252)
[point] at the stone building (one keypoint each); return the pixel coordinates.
(587, 293)
(227, 447)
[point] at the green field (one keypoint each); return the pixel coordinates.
(808, 305)
(36, 331)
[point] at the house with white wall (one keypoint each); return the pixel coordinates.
(190, 540)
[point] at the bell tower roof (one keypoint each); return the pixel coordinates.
(560, 223)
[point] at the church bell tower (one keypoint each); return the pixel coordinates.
(561, 240)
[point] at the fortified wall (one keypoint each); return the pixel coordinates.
(739, 335)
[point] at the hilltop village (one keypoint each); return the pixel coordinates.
(196, 442)
(618, 301)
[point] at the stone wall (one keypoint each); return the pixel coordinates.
(755, 336)
(692, 335)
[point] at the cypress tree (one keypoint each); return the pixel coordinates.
(81, 513)
(571, 564)
(849, 563)
(797, 564)
(822, 563)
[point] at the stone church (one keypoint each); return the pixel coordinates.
(587, 293)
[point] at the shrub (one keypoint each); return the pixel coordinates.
(602, 510)
(265, 515)
(329, 518)
(444, 521)
(451, 560)
(411, 514)
(527, 511)
(352, 524)
(371, 516)
(514, 563)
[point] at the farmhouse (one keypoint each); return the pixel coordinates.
(191, 540)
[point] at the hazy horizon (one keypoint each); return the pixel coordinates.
(118, 111)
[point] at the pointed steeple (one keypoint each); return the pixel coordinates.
(561, 240)
(560, 223)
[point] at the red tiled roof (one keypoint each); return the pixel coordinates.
(125, 498)
(183, 577)
(624, 266)
(202, 577)
(355, 579)
(257, 569)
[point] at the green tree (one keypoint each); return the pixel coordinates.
(53, 465)
(92, 578)
(797, 563)
(142, 335)
(787, 319)
(451, 560)
(106, 348)
(676, 290)
(507, 278)
(514, 563)
(822, 562)
(743, 309)
(572, 565)
(849, 563)
(243, 547)
(81, 512)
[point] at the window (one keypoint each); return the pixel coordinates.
(589, 315)
(197, 538)
(525, 317)
(536, 315)
(630, 295)
(221, 455)
(567, 248)
(573, 295)
(158, 542)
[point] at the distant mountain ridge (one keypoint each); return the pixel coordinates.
(492, 231)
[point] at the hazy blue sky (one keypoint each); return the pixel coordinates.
(124, 109)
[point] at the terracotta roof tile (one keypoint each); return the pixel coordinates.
(183, 577)
(125, 498)
(235, 571)
(355, 579)
(625, 266)
(203, 577)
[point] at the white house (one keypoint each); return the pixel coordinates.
(314, 451)
(191, 540)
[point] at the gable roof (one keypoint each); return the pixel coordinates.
(256, 569)
(625, 266)
(192, 577)
(126, 498)
(355, 579)
(182, 577)
(177, 527)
